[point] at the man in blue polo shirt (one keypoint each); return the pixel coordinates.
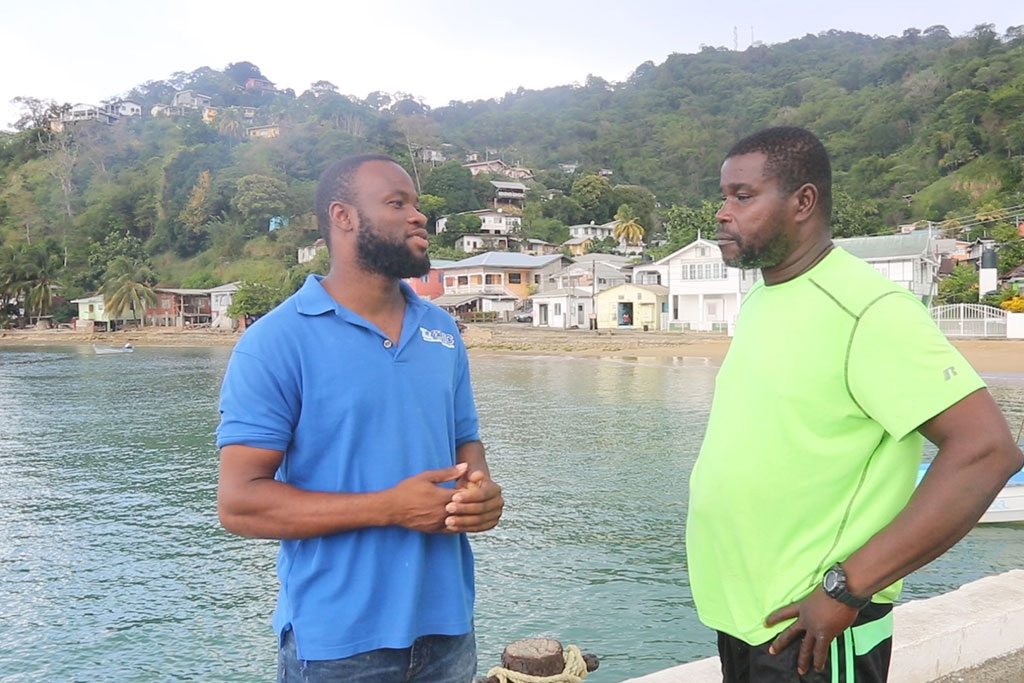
(349, 432)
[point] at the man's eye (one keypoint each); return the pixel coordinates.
(397, 203)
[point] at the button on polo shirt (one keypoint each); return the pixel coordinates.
(308, 379)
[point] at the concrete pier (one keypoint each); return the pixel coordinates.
(973, 634)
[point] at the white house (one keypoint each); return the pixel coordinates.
(124, 108)
(492, 221)
(472, 244)
(562, 308)
(190, 99)
(220, 301)
(307, 254)
(910, 259)
(704, 293)
(593, 272)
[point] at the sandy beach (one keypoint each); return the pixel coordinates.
(987, 355)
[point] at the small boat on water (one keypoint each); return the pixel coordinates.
(1008, 505)
(105, 350)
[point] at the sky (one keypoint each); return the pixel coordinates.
(92, 50)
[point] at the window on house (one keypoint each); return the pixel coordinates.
(536, 279)
(463, 280)
(515, 278)
(558, 309)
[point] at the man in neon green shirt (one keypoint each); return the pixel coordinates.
(803, 517)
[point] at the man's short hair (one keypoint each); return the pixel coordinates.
(795, 156)
(337, 185)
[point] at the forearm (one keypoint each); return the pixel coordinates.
(958, 488)
(267, 508)
(472, 453)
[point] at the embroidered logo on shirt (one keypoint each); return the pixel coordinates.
(949, 373)
(438, 337)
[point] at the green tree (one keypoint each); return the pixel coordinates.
(456, 226)
(432, 207)
(128, 287)
(683, 224)
(960, 287)
(454, 184)
(255, 299)
(196, 213)
(258, 198)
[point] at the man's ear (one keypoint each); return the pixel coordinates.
(342, 215)
(806, 198)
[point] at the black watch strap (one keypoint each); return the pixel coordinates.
(834, 585)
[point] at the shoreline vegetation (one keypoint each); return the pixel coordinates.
(986, 355)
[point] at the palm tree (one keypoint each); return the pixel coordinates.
(628, 228)
(128, 287)
(39, 269)
(15, 281)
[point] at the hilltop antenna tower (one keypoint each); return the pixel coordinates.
(735, 39)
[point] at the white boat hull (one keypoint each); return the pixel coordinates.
(1007, 507)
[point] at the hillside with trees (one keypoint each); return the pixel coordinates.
(925, 126)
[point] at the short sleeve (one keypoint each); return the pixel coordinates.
(466, 422)
(256, 408)
(901, 369)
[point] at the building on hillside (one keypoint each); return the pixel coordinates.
(639, 307)
(509, 194)
(259, 85)
(478, 242)
(126, 108)
(266, 132)
(190, 99)
(494, 166)
(535, 247)
(492, 221)
(430, 156)
(562, 308)
(307, 254)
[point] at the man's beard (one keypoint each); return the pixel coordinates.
(391, 259)
(764, 256)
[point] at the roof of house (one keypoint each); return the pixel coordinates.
(666, 259)
(564, 292)
(182, 292)
(229, 287)
(573, 241)
(658, 290)
(614, 260)
(506, 259)
(440, 264)
(502, 185)
(887, 246)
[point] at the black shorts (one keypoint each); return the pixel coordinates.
(859, 655)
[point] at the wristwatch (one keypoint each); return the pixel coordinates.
(834, 585)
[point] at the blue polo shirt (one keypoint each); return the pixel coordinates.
(354, 413)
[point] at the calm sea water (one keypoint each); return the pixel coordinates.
(113, 566)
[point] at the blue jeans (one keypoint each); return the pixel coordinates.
(430, 659)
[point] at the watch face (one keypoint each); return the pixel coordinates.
(830, 581)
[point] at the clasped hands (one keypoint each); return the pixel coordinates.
(422, 504)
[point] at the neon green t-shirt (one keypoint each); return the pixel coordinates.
(812, 444)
